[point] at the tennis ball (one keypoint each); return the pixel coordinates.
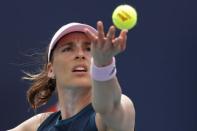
(124, 17)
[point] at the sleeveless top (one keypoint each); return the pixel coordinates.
(82, 121)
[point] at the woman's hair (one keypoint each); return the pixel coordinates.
(42, 87)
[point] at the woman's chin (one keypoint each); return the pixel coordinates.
(83, 82)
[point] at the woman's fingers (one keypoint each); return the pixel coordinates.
(91, 35)
(110, 36)
(111, 33)
(120, 42)
(100, 29)
(93, 38)
(123, 35)
(109, 43)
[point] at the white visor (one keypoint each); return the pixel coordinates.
(71, 27)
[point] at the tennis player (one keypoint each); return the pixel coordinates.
(81, 68)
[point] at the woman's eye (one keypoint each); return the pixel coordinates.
(88, 49)
(66, 49)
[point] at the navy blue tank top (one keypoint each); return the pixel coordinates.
(82, 121)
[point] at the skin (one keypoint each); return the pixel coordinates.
(114, 111)
(73, 50)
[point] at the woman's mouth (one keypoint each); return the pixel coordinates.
(80, 69)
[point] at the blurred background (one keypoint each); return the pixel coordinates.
(157, 70)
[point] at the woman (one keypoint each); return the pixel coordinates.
(81, 68)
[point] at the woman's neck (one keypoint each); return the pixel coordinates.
(73, 100)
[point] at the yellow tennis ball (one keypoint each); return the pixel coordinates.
(124, 17)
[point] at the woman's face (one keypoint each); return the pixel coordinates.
(71, 61)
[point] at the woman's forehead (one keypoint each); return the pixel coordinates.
(74, 36)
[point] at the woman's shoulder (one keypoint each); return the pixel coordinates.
(32, 123)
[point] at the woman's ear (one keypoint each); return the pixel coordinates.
(50, 71)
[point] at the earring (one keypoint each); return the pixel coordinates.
(52, 76)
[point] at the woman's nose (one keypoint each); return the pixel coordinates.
(80, 54)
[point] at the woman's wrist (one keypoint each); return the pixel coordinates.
(103, 73)
(103, 63)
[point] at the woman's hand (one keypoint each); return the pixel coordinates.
(104, 47)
